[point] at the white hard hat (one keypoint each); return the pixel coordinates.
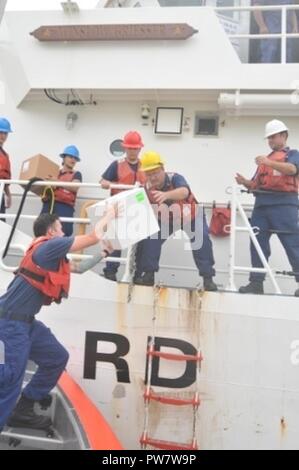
(274, 127)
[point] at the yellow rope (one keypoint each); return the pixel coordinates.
(45, 196)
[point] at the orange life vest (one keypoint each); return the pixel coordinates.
(125, 175)
(184, 210)
(53, 284)
(220, 221)
(64, 194)
(5, 173)
(269, 179)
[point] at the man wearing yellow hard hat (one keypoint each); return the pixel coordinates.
(176, 209)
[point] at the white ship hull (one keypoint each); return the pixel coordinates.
(248, 384)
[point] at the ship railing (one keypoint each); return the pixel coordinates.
(77, 220)
(236, 206)
(127, 260)
(284, 35)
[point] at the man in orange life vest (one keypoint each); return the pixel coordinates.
(42, 278)
(275, 187)
(177, 209)
(5, 172)
(125, 171)
(65, 197)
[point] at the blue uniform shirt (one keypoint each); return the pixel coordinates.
(21, 297)
(283, 198)
(177, 181)
(111, 173)
(77, 175)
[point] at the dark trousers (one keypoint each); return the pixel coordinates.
(149, 250)
(2, 208)
(23, 341)
(271, 48)
(284, 219)
(113, 267)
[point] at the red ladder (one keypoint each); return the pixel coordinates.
(151, 395)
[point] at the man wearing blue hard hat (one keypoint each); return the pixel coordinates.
(62, 200)
(5, 173)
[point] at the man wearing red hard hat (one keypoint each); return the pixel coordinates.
(124, 171)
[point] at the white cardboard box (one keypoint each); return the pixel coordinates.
(137, 220)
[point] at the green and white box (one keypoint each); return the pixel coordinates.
(136, 221)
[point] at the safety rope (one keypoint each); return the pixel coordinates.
(48, 193)
(14, 225)
(132, 269)
(287, 273)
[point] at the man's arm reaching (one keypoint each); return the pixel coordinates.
(82, 266)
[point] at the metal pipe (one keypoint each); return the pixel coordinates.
(33, 217)
(232, 243)
(283, 43)
(270, 101)
(68, 184)
(256, 7)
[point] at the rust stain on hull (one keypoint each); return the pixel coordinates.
(163, 296)
(283, 427)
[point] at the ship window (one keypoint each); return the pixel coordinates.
(226, 3)
(116, 148)
(169, 120)
(206, 125)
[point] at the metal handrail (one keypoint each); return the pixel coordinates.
(284, 35)
(4, 182)
(256, 7)
(234, 228)
(66, 184)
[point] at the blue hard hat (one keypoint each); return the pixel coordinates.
(71, 151)
(5, 125)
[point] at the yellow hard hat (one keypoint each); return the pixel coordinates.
(151, 160)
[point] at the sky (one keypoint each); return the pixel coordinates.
(45, 4)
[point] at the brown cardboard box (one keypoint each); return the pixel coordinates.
(41, 167)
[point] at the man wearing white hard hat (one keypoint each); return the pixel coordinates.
(275, 187)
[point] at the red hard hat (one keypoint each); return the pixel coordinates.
(132, 140)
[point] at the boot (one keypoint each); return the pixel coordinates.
(145, 279)
(209, 284)
(45, 402)
(296, 293)
(254, 287)
(110, 275)
(24, 416)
